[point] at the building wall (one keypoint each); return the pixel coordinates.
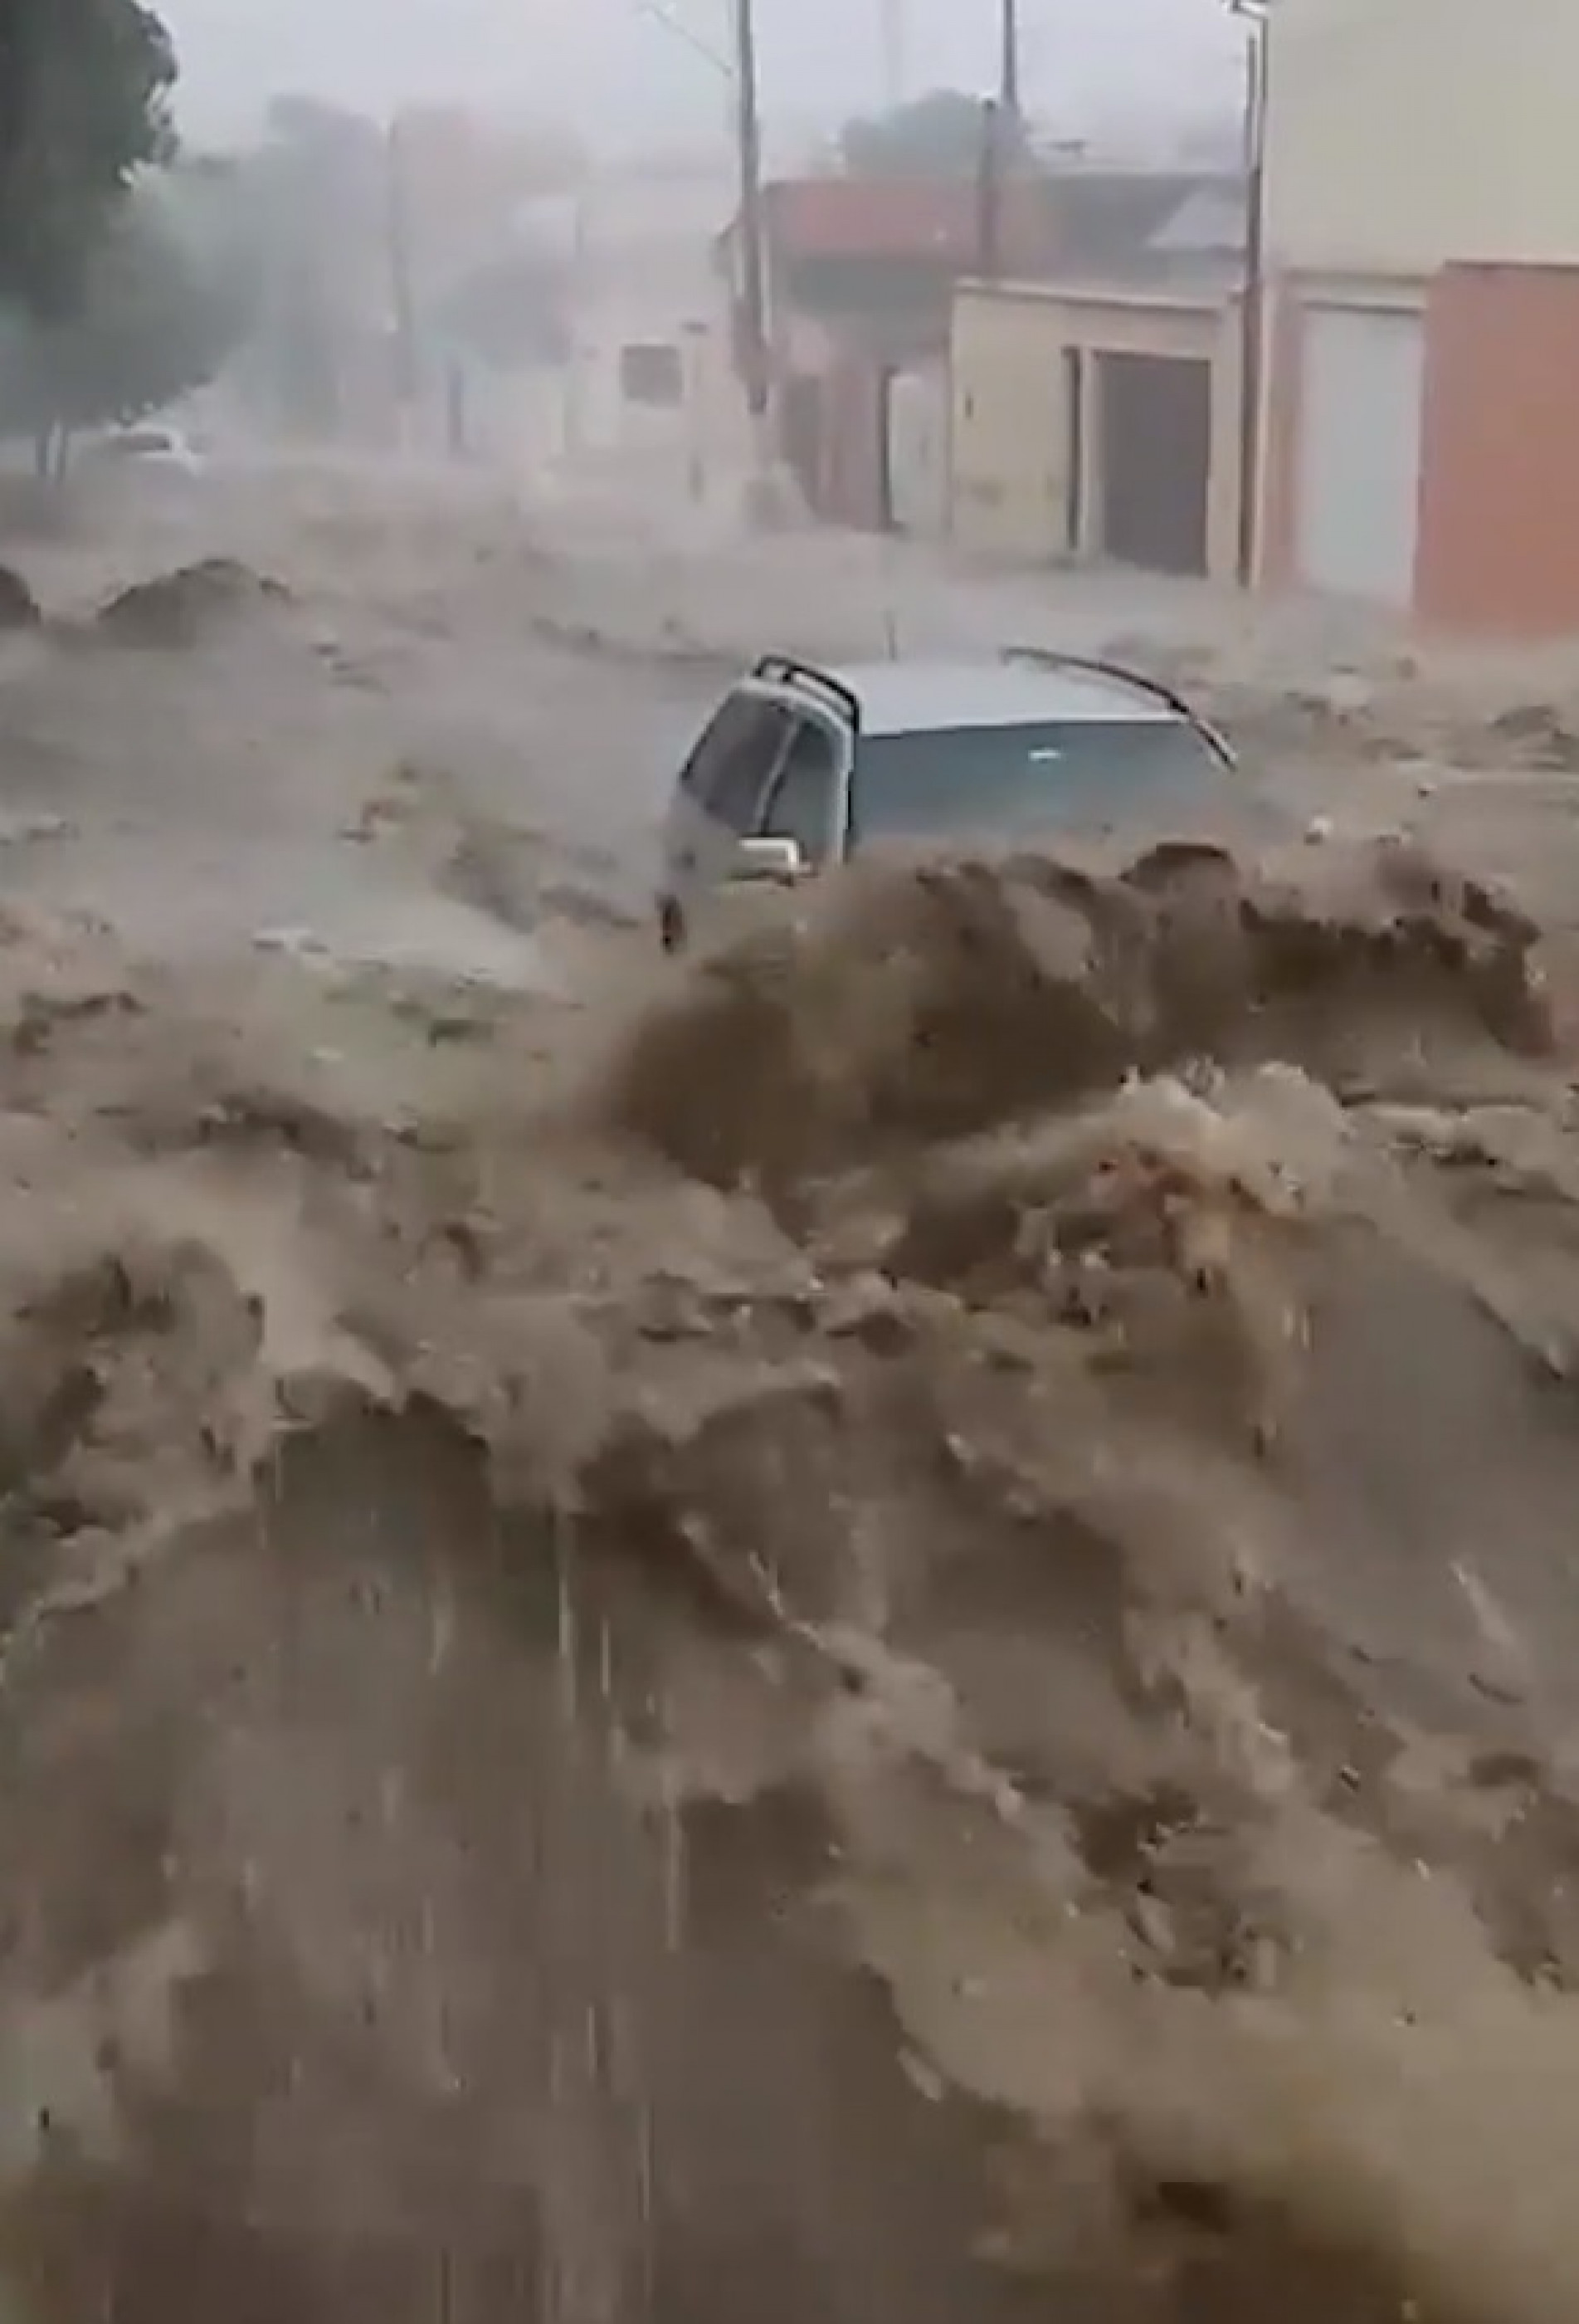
(1012, 420)
(646, 269)
(1499, 549)
(1404, 134)
(853, 485)
(1276, 544)
(1010, 427)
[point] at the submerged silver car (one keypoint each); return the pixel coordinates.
(802, 768)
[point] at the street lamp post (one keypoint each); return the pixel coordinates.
(1253, 289)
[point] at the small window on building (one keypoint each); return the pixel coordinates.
(652, 374)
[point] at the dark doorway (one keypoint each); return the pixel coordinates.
(1074, 388)
(801, 434)
(884, 476)
(1156, 458)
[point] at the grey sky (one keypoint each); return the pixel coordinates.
(610, 66)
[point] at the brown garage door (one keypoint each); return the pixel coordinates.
(1156, 459)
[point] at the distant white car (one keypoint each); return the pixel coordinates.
(153, 448)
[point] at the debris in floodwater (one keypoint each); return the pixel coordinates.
(296, 944)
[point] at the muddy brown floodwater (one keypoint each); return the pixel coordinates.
(892, 1637)
(884, 1627)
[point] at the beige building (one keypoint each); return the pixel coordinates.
(1403, 134)
(1097, 421)
(1423, 319)
(652, 375)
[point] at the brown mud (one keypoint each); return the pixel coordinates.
(178, 609)
(898, 1640)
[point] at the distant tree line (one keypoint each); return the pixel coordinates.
(939, 136)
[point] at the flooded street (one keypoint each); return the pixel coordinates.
(882, 1631)
(338, 682)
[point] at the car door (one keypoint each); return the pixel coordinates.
(722, 792)
(808, 798)
(805, 802)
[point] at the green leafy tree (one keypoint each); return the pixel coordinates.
(939, 136)
(152, 322)
(85, 88)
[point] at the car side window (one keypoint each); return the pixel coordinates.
(804, 800)
(742, 785)
(715, 744)
(729, 771)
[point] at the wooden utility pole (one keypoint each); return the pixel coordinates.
(753, 267)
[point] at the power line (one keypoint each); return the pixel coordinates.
(662, 13)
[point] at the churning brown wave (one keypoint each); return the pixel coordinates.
(898, 1639)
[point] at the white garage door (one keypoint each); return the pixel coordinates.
(918, 450)
(1359, 470)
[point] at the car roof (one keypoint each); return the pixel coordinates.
(900, 698)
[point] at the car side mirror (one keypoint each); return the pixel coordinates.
(769, 858)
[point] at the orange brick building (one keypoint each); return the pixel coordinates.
(1463, 446)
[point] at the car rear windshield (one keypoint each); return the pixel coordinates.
(1013, 780)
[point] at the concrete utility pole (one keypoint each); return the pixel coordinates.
(1009, 62)
(753, 264)
(1002, 123)
(408, 361)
